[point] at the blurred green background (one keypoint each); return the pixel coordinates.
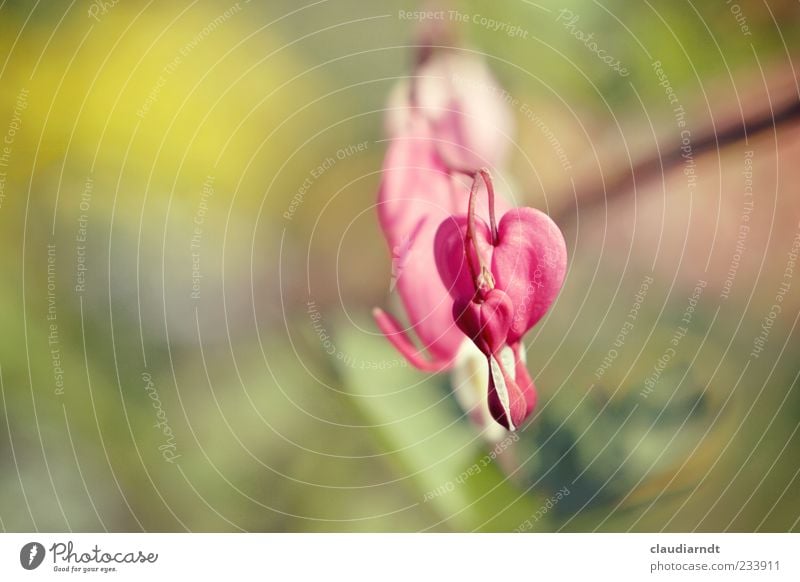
(185, 298)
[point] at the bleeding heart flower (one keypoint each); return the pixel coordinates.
(460, 281)
(502, 279)
(420, 188)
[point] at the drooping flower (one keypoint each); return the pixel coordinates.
(430, 122)
(502, 279)
(462, 284)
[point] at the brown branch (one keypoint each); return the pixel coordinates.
(586, 197)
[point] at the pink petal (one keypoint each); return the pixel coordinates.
(486, 323)
(416, 195)
(529, 263)
(524, 381)
(451, 261)
(400, 340)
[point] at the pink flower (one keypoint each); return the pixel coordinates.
(421, 187)
(460, 280)
(502, 279)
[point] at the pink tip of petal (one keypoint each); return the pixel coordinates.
(390, 328)
(512, 395)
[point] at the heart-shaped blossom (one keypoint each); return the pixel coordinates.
(502, 279)
(468, 289)
(420, 188)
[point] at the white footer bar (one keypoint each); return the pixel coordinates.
(355, 557)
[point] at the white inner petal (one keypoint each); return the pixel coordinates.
(500, 383)
(523, 353)
(507, 359)
(469, 379)
(469, 376)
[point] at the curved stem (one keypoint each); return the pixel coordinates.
(483, 280)
(487, 179)
(469, 239)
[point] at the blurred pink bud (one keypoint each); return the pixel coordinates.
(466, 110)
